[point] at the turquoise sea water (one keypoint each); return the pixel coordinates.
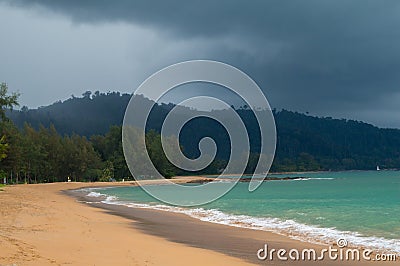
(361, 206)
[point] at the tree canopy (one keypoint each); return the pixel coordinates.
(7, 102)
(81, 138)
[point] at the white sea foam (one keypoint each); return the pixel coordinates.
(95, 194)
(88, 189)
(107, 198)
(313, 178)
(110, 199)
(290, 228)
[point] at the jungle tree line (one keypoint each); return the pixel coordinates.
(304, 142)
(30, 155)
(42, 154)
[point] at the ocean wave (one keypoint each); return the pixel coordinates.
(290, 228)
(110, 199)
(95, 194)
(313, 178)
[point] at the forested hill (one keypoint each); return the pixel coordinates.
(304, 142)
(87, 115)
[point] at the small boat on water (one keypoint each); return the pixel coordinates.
(377, 168)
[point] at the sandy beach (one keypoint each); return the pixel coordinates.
(44, 224)
(40, 226)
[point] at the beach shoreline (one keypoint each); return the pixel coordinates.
(47, 219)
(41, 225)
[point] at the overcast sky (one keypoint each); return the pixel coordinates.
(337, 58)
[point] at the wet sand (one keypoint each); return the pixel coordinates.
(233, 241)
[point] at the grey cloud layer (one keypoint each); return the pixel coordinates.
(316, 55)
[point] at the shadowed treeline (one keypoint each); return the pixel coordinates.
(304, 142)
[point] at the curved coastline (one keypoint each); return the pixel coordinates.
(53, 223)
(288, 228)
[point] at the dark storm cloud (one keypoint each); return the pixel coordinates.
(320, 56)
